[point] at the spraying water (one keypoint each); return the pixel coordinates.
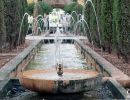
(74, 12)
(57, 46)
(58, 61)
(26, 14)
(98, 29)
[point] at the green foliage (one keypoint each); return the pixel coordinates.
(12, 21)
(69, 8)
(13, 13)
(73, 7)
(87, 18)
(106, 16)
(30, 8)
(45, 8)
(121, 26)
(78, 8)
(42, 8)
(114, 22)
(25, 23)
(91, 19)
(75, 0)
(2, 27)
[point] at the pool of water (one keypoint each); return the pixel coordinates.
(70, 57)
(44, 59)
(54, 76)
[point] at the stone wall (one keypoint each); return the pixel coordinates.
(102, 65)
(19, 63)
(90, 60)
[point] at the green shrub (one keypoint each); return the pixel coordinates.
(73, 7)
(45, 8)
(30, 8)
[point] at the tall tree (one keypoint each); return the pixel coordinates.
(106, 16)
(12, 18)
(121, 30)
(14, 10)
(22, 9)
(2, 27)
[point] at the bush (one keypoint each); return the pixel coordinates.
(44, 8)
(114, 22)
(30, 8)
(73, 7)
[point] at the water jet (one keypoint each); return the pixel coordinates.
(60, 80)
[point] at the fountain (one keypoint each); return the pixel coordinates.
(72, 81)
(26, 14)
(98, 29)
(62, 77)
(37, 20)
(59, 80)
(74, 12)
(82, 21)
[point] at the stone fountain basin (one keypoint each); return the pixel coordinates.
(72, 81)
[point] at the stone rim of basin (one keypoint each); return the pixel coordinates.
(60, 85)
(75, 74)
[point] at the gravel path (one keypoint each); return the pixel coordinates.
(6, 56)
(112, 58)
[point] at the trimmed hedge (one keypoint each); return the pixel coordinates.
(2, 27)
(40, 8)
(73, 7)
(114, 20)
(13, 13)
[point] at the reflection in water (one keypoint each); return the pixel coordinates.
(71, 58)
(66, 76)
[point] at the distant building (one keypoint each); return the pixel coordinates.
(58, 3)
(31, 1)
(54, 3)
(81, 2)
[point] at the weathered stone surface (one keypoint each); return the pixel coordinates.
(48, 81)
(13, 65)
(7, 85)
(117, 90)
(105, 66)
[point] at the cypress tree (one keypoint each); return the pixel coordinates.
(91, 19)
(121, 24)
(98, 10)
(87, 18)
(94, 24)
(22, 10)
(125, 28)
(114, 21)
(106, 16)
(117, 23)
(12, 21)
(2, 27)
(14, 11)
